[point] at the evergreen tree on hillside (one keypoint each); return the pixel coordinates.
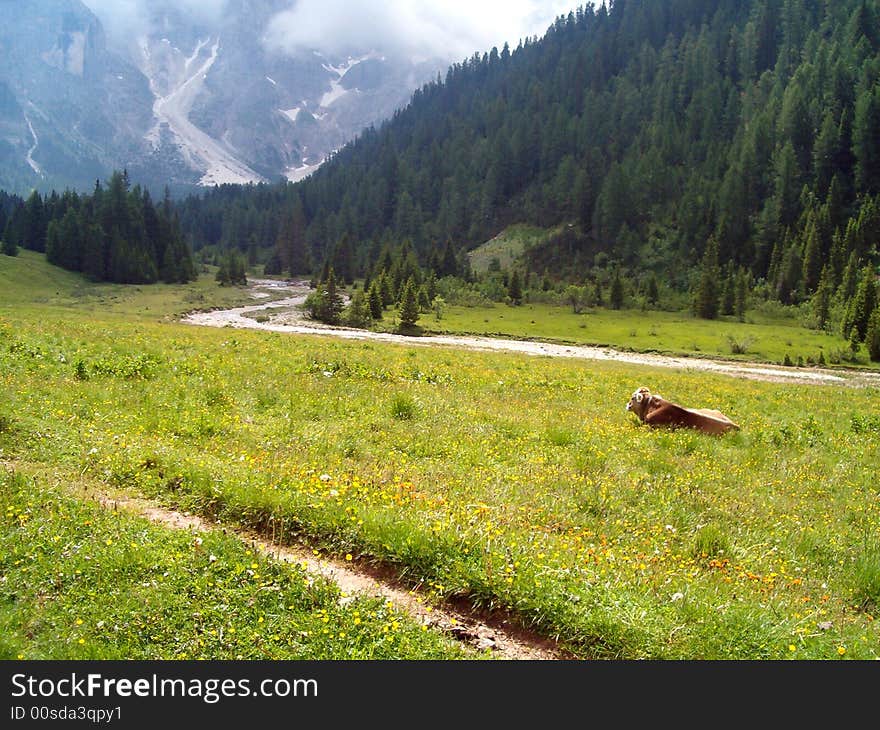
(872, 336)
(652, 291)
(409, 309)
(741, 295)
(385, 289)
(861, 307)
(291, 246)
(232, 270)
(615, 295)
(812, 257)
(866, 140)
(35, 223)
(325, 304)
(374, 300)
(728, 292)
(8, 246)
(514, 289)
(822, 299)
(358, 313)
(706, 303)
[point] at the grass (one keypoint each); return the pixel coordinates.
(80, 582)
(674, 333)
(27, 281)
(509, 481)
(507, 247)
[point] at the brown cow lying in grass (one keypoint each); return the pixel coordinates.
(656, 411)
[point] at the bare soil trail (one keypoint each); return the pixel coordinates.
(282, 313)
(497, 634)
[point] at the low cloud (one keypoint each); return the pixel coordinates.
(452, 29)
(127, 18)
(448, 29)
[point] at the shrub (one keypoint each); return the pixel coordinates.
(710, 541)
(80, 371)
(403, 407)
(739, 347)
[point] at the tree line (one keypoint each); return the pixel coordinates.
(115, 234)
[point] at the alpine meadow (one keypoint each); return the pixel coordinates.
(418, 357)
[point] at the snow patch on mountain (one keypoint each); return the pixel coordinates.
(337, 90)
(295, 174)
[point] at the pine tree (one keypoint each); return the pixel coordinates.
(358, 312)
(514, 289)
(706, 294)
(872, 337)
(652, 293)
(291, 248)
(232, 270)
(93, 257)
(343, 260)
(741, 295)
(222, 275)
(9, 247)
(866, 141)
(789, 284)
(431, 285)
(812, 259)
(385, 289)
(325, 303)
(333, 301)
(615, 297)
(35, 223)
(374, 299)
(861, 307)
(409, 309)
(728, 293)
(821, 301)
(449, 262)
(849, 280)
(237, 269)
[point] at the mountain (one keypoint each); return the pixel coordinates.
(179, 99)
(649, 129)
(69, 107)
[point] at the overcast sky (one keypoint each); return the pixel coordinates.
(453, 29)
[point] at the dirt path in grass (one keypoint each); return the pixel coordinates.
(282, 313)
(480, 631)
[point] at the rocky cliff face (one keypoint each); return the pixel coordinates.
(69, 108)
(180, 101)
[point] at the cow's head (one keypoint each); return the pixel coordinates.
(639, 402)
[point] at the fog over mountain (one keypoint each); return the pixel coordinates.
(453, 29)
(204, 92)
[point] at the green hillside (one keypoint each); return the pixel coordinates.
(505, 251)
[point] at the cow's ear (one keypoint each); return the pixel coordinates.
(640, 397)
